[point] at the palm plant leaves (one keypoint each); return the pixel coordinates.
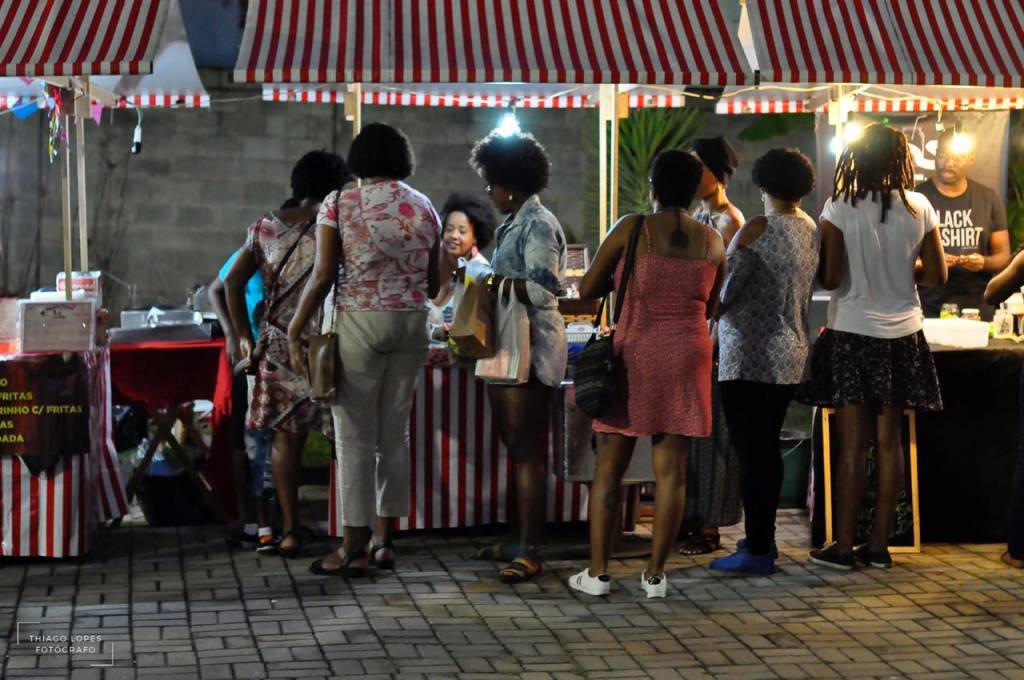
(643, 136)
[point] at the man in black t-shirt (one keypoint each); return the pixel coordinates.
(972, 223)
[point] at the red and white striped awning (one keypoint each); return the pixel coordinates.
(173, 83)
(475, 41)
(79, 37)
(551, 96)
(901, 42)
(477, 95)
(807, 98)
(962, 42)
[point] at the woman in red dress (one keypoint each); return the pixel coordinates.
(664, 359)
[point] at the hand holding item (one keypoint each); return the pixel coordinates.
(952, 260)
(243, 364)
(296, 357)
(234, 351)
(974, 262)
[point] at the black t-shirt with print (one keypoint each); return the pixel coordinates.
(966, 224)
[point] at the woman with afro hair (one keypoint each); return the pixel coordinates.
(530, 252)
(468, 227)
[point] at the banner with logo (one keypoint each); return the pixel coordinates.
(990, 129)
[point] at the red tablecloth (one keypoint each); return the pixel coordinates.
(165, 374)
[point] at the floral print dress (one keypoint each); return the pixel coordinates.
(530, 245)
(280, 397)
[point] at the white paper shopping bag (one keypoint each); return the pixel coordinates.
(510, 364)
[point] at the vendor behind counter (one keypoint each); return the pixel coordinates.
(972, 223)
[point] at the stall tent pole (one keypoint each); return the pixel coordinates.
(605, 113)
(65, 195)
(354, 112)
(81, 111)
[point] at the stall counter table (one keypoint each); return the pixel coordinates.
(163, 375)
(966, 452)
(54, 512)
(460, 469)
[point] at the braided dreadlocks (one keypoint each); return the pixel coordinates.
(874, 166)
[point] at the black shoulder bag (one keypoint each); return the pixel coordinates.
(594, 376)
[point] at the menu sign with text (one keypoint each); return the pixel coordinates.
(44, 406)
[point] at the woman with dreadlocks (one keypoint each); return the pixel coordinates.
(872, 361)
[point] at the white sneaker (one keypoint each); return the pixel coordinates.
(655, 586)
(591, 585)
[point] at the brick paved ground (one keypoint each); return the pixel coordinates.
(175, 603)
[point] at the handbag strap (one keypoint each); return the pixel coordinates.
(272, 288)
(627, 268)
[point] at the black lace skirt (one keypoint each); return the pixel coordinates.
(848, 368)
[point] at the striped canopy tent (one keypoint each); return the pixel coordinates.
(484, 41)
(173, 80)
(889, 42)
(476, 95)
(79, 37)
(810, 98)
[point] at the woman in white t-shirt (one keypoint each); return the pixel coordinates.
(872, 360)
(469, 222)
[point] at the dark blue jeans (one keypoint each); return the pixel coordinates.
(1015, 521)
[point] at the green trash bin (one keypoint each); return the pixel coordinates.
(796, 463)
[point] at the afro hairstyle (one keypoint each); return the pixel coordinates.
(478, 210)
(784, 173)
(516, 162)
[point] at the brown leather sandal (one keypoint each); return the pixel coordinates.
(521, 569)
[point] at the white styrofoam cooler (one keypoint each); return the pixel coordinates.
(960, 333)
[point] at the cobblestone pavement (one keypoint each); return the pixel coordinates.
(176, 603)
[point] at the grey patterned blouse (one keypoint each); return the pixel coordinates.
(762, 331)
(531, 245)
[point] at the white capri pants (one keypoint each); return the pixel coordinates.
(382, 355)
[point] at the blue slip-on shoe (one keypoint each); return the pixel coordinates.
(742, 562)
(741, 546)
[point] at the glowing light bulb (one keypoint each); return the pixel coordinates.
(961, 143)
(508, 125)
(836, 146)
(852, 132)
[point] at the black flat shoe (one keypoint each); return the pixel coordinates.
(388, 565)
(830, 556)
(879, 560)
(292, 552)
(346, 569)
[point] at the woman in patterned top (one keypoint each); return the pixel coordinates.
(530, 250)
(386, 236)
(282, 247)
(763, 343)
(713, 468)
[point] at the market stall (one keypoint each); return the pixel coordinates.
(56, 489)
(884, 71)
(511, 53)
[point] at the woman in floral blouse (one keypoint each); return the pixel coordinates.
(386, 236)
(530, 250)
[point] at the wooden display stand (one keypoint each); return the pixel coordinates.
(911, 450)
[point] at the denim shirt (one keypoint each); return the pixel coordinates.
(531, 245)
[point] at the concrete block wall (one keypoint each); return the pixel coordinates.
(168, 218)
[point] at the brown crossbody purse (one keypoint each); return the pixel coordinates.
(323, 362)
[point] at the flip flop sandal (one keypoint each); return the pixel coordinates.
(521, 569)
(292, 552)
(346, 569)
(382, 564)
(499, 552)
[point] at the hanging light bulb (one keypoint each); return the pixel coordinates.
(508, 125)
